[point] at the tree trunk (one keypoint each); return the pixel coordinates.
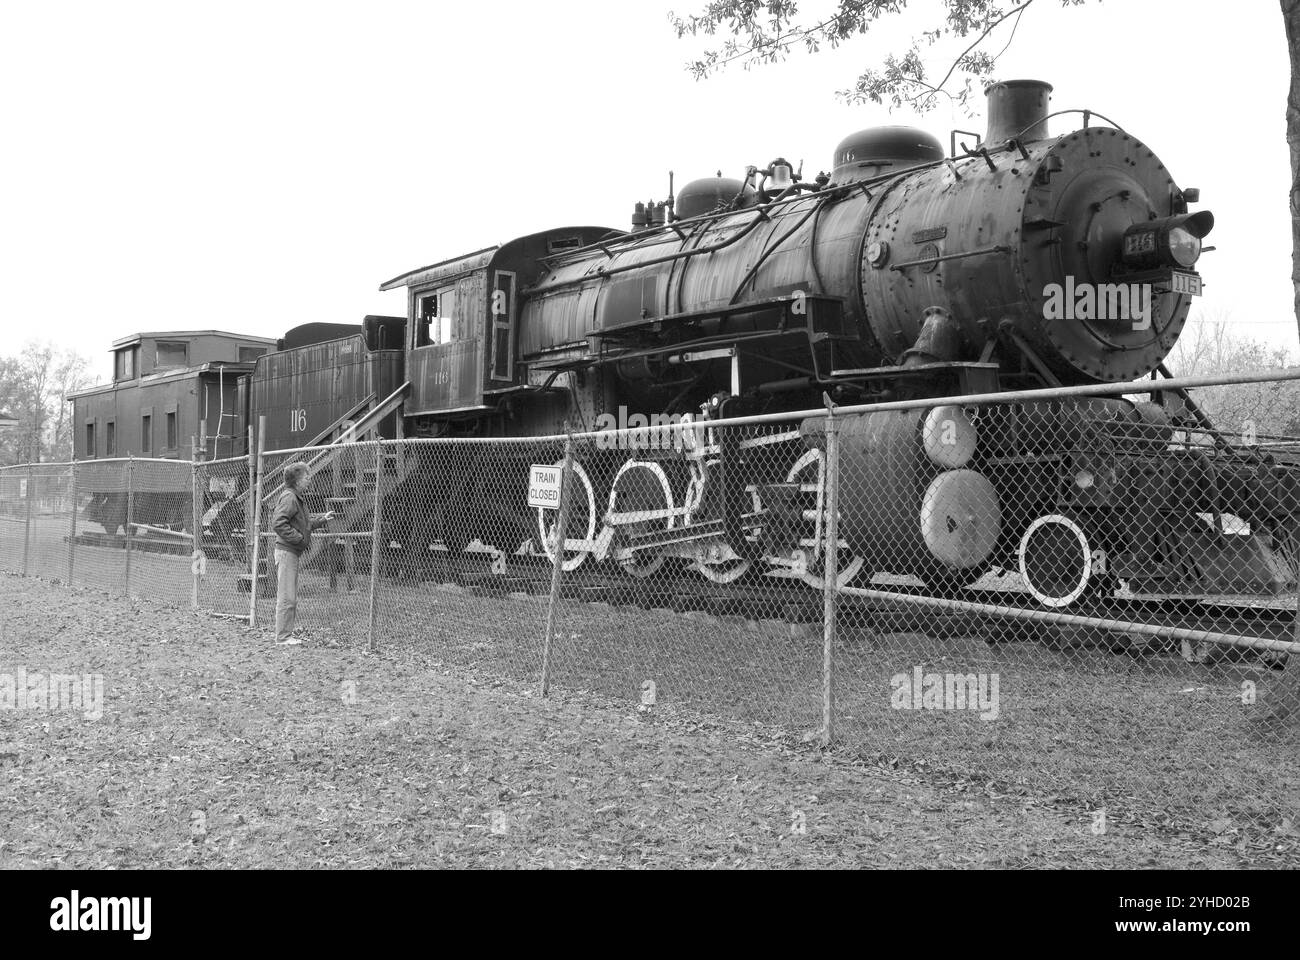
(1291, 17)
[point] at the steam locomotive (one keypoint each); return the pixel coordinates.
(1009, 261)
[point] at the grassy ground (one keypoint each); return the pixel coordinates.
(217, 749)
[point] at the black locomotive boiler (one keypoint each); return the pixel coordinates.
(907, 272)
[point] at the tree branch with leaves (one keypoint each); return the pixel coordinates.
(767, 32)
(758, 32)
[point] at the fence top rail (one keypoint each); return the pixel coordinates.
(242, 458)
(974, 399)
(36, 463)
(977, 399)
(347, 445)
(98, 460)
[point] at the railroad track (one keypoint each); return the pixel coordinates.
(144, 544)
(172, 546)
(795, 603)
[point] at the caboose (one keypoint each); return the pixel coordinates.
(168, 388)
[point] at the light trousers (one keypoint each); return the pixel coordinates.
(286, 592)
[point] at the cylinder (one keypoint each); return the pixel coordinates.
(901, 511)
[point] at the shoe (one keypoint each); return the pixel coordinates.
(291, 642)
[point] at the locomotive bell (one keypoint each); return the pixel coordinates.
(782, 175)
(878, 150)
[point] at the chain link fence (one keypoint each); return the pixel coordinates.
(1074, 596)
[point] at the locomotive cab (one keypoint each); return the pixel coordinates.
(463, 322)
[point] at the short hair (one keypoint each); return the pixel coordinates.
(294, 472)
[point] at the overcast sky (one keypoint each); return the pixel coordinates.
(253, 166)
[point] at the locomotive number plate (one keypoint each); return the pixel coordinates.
(544, 486)
(1188, 284)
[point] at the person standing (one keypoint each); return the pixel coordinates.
(293, 526)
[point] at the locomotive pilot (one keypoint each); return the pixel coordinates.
(293, 526)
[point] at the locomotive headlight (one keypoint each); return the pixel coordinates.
(1172, 242)
(1184, 247)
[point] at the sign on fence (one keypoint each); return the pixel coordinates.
(544, 486)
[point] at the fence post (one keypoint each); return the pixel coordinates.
(196, 542)
(130, 515)
(375, 527)
(255, 550)
(27, 525)
(557, 563)
(830, 571)
(72, 532)
(248, 494)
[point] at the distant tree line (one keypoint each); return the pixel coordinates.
(33, 388)
(1212, 345)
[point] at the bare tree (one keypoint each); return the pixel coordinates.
(33, 388)
(71, 373)
(1211, 344)
(1291, 18)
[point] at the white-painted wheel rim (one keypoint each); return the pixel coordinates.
(847, 571)
(641, 569)
(1047, 600)
(728, 571)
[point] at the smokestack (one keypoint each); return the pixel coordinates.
(1018, 108)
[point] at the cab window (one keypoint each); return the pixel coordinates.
(435, 318)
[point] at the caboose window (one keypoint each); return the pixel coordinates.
(124, 364)
(110, 438)
(90, 440)
(171, 431)
(146, 434)
(250, 354)
(435, 321)
(172, 355)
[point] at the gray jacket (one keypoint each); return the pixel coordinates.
(293, 524)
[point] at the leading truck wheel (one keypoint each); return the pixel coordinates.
(1055, 561)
